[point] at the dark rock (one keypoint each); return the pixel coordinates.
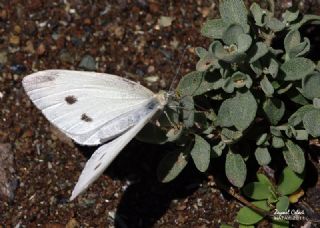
(18, 68)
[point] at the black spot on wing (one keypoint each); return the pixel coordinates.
(86, 118)
(97, 166)
(47, 76)
(70, 99)
(101, 157)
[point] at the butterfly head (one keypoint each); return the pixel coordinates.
(163, 97)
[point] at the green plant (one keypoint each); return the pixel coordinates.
(269, 196)
(247, 98)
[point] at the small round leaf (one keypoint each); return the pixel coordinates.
(311, 122)
(200, 153)
(297, 68)
(294, 156)
(310, 86)
(236, 169)
(289, 181)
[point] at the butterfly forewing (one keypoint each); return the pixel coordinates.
(85, 105)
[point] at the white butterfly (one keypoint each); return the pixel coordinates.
(93, 108)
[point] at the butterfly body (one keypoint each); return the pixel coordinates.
(94, 108)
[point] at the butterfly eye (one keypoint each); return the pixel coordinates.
(70, 99)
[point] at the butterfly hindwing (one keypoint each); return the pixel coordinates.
(106, 153)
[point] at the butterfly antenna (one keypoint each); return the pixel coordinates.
(178, 69)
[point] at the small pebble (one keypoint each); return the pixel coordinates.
(164, 21)
(151, 69)
(18, 68)
(3, 57)
(88, 63)
(29, 47)
(66, 57)
(112, 214)
(41, 49)
(14, 40)
(17, 29)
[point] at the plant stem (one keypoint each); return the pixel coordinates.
(271, 6)
(232, 192)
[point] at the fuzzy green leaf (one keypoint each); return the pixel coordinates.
(294, 156)
(257, 51)
(296, 96)
(229, 136)
(243, 108)
(289, 181)
(235, 168)
(262, 155)
(273, 68)
(310, 85)
(237, 80)
(291, 40)
(171, 166)
(297, 68)
(232, 33)
(240, 80)
(188, 111)
(257, 190)
(158, 135)
(218, 149)
(196, 83)
(275, 25)
(228, 85)
(297, 117)
(258, 14)
(316, 103)
(174, 134)
(290, 131)
(285, 89)
(301, 49)
(277, 142)
(311, 122)
(267, 87)
(224, 116)
(244, 42)
(229, 55)
(290, 15)
(239, 111)
(234, 11)
(214, 28)
(262, 139)
(206, 62)
(274, 109)
(276, 131)
(248, 216)
(201, 52)
(293, 45)
(307, 18)
(200, 153)
(257, 67)
(302, 135)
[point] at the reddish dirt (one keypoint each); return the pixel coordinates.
(125, 38)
